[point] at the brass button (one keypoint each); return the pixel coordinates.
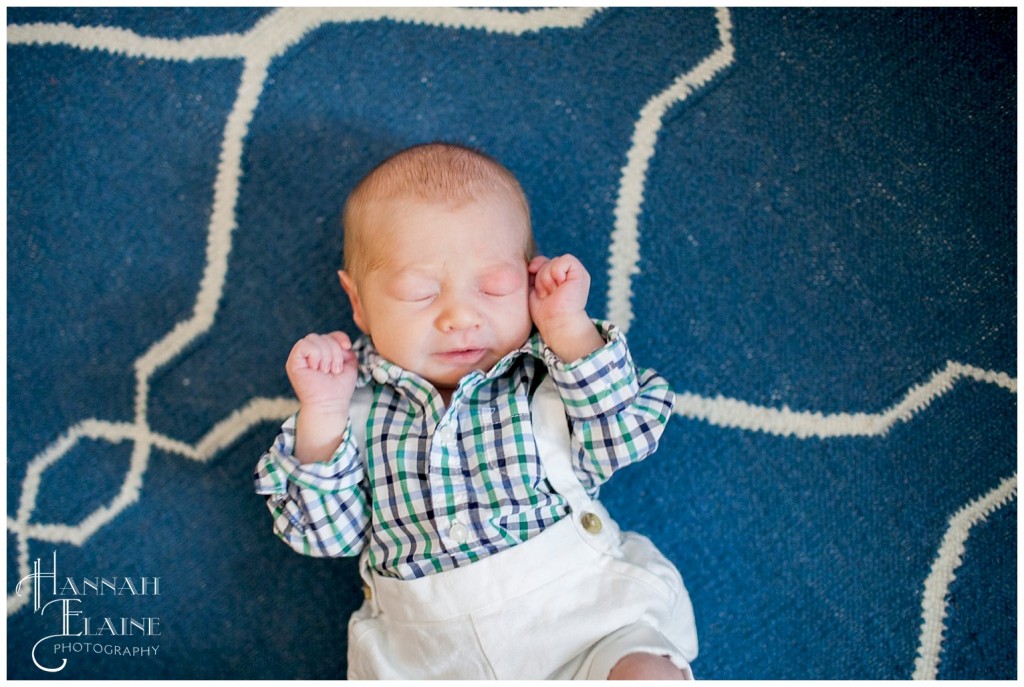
(591, 523)
(367, 592)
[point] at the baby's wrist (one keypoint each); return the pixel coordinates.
(332, 414)
(318, 432)
(572, 337)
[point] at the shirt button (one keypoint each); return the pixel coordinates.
(380, 375)
(458, 533)
(446, 434)
(591, 523)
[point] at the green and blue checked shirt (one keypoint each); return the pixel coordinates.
(435, 488)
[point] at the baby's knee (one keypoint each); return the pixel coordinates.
(641, 666)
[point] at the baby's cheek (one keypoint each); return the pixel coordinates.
(516, 319)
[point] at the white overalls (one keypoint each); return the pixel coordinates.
(568, 603)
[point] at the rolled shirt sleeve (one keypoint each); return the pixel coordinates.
(617, 412)
(319, 509)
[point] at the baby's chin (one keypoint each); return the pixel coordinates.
(449, 382)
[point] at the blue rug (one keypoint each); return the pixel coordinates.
(806, 219)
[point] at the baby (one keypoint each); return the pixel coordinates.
(458, 446)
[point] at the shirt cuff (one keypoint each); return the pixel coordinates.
(278, 466)
(600, 384)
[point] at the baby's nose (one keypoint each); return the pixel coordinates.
(458, 315)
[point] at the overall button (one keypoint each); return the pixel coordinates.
(591, 523)
(380, 375)
(458, 533)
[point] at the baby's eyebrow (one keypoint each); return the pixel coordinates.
(413, 270)
(414, 277)
(415, 273)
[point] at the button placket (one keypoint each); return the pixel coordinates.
(449, 490)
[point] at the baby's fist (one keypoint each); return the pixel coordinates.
(322, 370)
(558, 306)
(560, 289)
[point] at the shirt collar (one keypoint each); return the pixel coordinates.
(373, 367)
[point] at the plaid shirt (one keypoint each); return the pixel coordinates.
(434, 488)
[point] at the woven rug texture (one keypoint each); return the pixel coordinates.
(805, 219)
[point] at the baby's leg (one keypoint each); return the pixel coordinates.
(641, 666)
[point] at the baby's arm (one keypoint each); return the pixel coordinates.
(313, 476)
(617, 412)
(322, 370)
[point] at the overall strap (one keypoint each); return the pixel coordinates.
(551, 432)
(554, 446)
(359, 413)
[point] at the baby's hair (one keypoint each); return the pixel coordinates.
(432, 172)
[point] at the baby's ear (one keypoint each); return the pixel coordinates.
(352, 291)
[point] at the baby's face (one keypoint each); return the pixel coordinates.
(452, 293)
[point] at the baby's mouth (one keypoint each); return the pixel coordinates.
(463, 356)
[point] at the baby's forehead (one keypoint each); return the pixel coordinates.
(426, 247)
(401, 229)
(403, 217)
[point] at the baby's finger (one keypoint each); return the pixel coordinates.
(327, 353)
(336, 349)
(548, 279)
(347, 357)
(342, 338)
(560, 268)
(319, 357)
(304, 354)
(349, 360)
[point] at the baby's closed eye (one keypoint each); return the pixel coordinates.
(502, 281)
(413, 289)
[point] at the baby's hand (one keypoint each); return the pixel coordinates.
(322, 369)
(560, 289)
(558, 306)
